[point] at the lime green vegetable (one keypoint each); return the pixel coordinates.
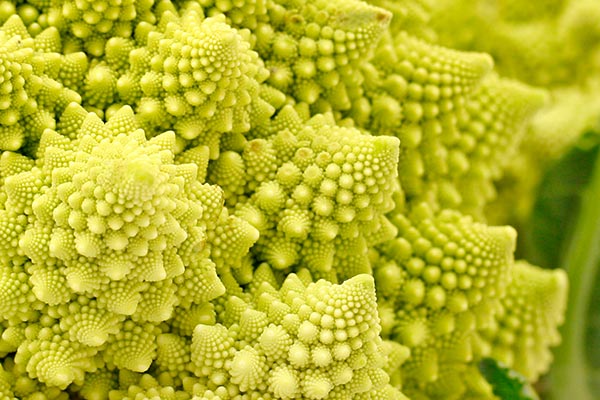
(277, 199)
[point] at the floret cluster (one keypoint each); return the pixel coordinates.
(278, 199)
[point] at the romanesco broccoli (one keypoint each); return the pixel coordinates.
(276, 199)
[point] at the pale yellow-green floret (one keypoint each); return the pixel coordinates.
(312, 190)
(279, 199)
(314, 49)
(30, 97)
(195, 75)
(87, 25)
(325, 344)
(437, 283)
(527, 318)
(118, 234)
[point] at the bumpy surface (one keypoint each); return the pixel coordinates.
(522, 332)
(437, 283)
(456, 122)
(196, 74)
(116, 233)
(313, 190)
(278, 199)
(88, 24)
(303, 340)
(315, 341)
(116, 210)
(30, 98)
(314, 49)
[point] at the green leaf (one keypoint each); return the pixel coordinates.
(592, 338)
(565, 232)
(558, 199)
(506, 383)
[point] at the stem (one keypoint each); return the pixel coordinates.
(569, 375)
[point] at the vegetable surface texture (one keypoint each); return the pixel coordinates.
(281, 199)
